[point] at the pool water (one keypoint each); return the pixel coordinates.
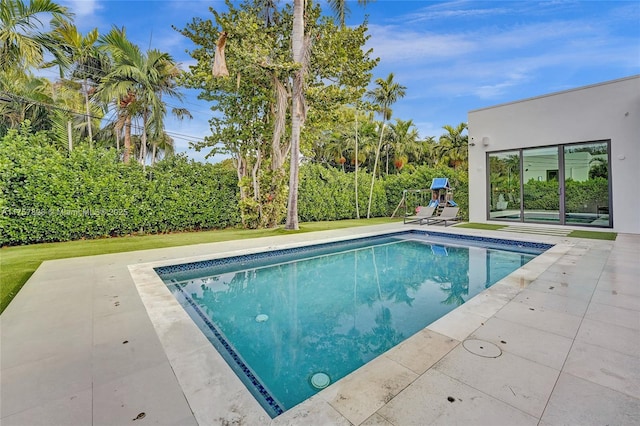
(291, 324)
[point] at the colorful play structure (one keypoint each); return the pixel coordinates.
(432, 201)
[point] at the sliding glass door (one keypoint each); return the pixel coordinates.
(504, 185)
(559, 184)
(541, 188)
(586, 182)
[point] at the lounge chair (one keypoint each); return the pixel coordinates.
(422, 214)
(448, 214)
(439, 250)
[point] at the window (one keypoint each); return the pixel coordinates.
(562, 184)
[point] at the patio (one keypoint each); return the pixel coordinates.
(95, 340)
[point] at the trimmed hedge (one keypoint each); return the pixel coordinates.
(329, 194)
(48, 195)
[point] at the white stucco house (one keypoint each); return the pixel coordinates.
(565, 158)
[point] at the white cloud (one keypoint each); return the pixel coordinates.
(401, 44)
(82, 8)
(452, 10)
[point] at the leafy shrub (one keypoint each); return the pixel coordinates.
(329, 194)
(48, 195)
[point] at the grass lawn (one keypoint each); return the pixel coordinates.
(18, 263)
(594, 235)
(487, 226)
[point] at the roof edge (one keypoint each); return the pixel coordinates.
(604, 83)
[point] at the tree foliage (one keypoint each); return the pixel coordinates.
(252, 106)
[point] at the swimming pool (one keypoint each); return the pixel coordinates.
(288, 331)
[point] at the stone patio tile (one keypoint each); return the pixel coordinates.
(153, 391)
(376, 420)
(215, 394)
(59, 306)
(24, 343)
(437, 399)
(177, 332)
(487, 303)
(614, 298)
(457, 324)
(622, 285)
(608, 336)
(552, 302)
(582, 290)
(115, 293)
(542, 319)
(614, 315)
(516, 381)
(419, 352)
(40, 382)
(575, 401)
(361, 393)
(124, 344)
(535, 345)
(621, 268)
(77, 269)
(74, 410)
(605, 367)
(313, 411)
(66, 292)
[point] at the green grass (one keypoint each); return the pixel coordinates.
(475, 225)
(18, 263)
(594, 235)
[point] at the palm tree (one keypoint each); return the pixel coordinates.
(404, 140)
(341, 9)
(453, 146)
(24, 96)
(136, 82)
(386, 94)
(22, 42)
(88, 63)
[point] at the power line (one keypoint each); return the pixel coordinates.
(7, 97)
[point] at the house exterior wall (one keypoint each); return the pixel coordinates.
(606, 111)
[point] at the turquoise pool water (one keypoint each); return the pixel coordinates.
(291, 322)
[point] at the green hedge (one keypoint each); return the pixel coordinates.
(48, 195)
(329, 194)
(579, 195)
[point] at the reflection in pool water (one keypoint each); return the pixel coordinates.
(279, 325)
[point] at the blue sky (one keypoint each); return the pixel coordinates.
(453, 56)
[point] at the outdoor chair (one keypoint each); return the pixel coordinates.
(448, 214)
(422, 214)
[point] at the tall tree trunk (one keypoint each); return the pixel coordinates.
(387, 166)
(143, 139)
(86, 100)
(278, 151)
(256, 182)
(297, 40)
(127, 138)
(356, 174)
(375, 166)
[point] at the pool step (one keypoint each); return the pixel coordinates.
(560, 232)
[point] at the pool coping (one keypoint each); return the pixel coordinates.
(213, 390)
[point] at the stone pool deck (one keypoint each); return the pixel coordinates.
(95, 340)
